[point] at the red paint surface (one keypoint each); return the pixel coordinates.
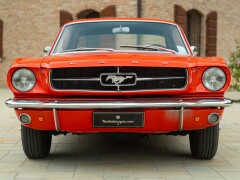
(156, 120)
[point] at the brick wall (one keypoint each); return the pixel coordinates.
(29, 26)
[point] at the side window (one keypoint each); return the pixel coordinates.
(1, 40)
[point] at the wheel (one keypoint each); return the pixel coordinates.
(204, 142)
(36, 144)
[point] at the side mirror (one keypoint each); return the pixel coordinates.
(194, 50)
(47, 50)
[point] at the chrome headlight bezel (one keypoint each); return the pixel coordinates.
(214, 74)
(23, 79)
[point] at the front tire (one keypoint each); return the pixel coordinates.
(36, 143)
(204, 142)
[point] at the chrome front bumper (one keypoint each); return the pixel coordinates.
(136, 104)
(111, 104)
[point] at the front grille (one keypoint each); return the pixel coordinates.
(89, 78)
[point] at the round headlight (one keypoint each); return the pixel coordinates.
(23, 79)
(214, 79)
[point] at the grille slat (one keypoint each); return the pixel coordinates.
(148, 78)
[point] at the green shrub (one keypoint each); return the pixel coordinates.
(234, 66)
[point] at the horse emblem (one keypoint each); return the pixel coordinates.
(118, 79)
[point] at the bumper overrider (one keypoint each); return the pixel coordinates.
(160, 115)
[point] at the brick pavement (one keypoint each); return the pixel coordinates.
(98, 157)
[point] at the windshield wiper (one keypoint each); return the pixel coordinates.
(89, 49)
(149, 47)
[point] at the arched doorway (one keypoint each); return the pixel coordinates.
(109, 11)
(194, 28)
(89, 13)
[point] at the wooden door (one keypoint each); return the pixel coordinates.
(1, 39)
(194, 29)
(211, 34)
(180, 17)
(65, 17)
(109, 11)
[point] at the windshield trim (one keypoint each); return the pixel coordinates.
(118, 51)
(90, 21)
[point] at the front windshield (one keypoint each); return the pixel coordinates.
(120, 35)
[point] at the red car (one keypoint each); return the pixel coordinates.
(119, 75)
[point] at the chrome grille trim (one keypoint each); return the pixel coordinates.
(98, 79)
(139, 79)
(162, 78)
(77, 79)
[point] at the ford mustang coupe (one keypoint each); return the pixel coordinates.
(119, 75)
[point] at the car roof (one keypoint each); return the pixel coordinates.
(120, 19)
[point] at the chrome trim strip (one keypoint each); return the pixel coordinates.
(114, 104)
(181, 118)
(98, 79)
(90, 21)
(160, 78)
(56, 121)
(77, 79)
(119, 51)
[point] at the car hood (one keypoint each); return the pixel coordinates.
(81, 59)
